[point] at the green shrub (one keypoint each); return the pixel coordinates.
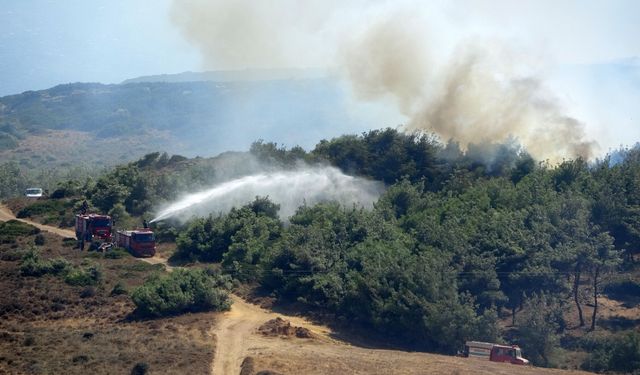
(625, 356)
(538, 328)
(183, 291)
(67, 220)
(39, 240)
(32, 265)
(142, 267)
(119, 289)
(59, 266)
(11, 255)
(12, 229)
(69, 242)
(116, 253)
(91, 275)
(141, 368)
(599, 347)
(88, 292)
(52, 207)
(69, 189)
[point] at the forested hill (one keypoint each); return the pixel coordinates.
(483, 244)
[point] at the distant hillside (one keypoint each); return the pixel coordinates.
(81, 127)
(246, 75)
(190, 118)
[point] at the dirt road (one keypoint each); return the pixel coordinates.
(6, 215)
(236, 334)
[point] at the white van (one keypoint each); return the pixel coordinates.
(33, 192)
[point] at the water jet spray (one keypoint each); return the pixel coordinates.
(289, 189)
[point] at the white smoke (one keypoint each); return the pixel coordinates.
(289, 189)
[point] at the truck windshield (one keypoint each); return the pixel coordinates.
(97, 223)
(518, 353)
(143, 237)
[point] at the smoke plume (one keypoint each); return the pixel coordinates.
(479, 92)
(289, 189)
(387, 59)
(241, 34)
(481, 99)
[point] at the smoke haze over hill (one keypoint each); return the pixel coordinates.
(481, 91)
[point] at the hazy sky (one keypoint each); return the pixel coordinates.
(586, 51)
(47, 42)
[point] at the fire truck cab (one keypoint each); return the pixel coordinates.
(509, 354)
(93, 227)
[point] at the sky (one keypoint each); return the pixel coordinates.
(585, 53)
(45, 42)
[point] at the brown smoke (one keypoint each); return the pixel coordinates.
(388, 59)
(482, 100)
(480, 94)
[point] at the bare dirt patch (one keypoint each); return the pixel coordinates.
(281, 327)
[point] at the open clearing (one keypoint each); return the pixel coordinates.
(241, 348)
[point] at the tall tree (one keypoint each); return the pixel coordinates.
(604, 259)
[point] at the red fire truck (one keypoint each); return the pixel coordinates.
(93, 229)
(140, 242)
(494, 352)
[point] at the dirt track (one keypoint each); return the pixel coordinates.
(237, 337)
(6, 215)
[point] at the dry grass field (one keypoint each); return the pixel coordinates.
(50, 327)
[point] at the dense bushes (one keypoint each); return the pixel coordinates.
(385, 155)
(79, 276)
(41, 208)
(39, 239)
(243, 234)
(33, 265)
(116, 253)
(13, 229)
(457, 237)
(538, 330)
(620, 352)
(182, 291)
